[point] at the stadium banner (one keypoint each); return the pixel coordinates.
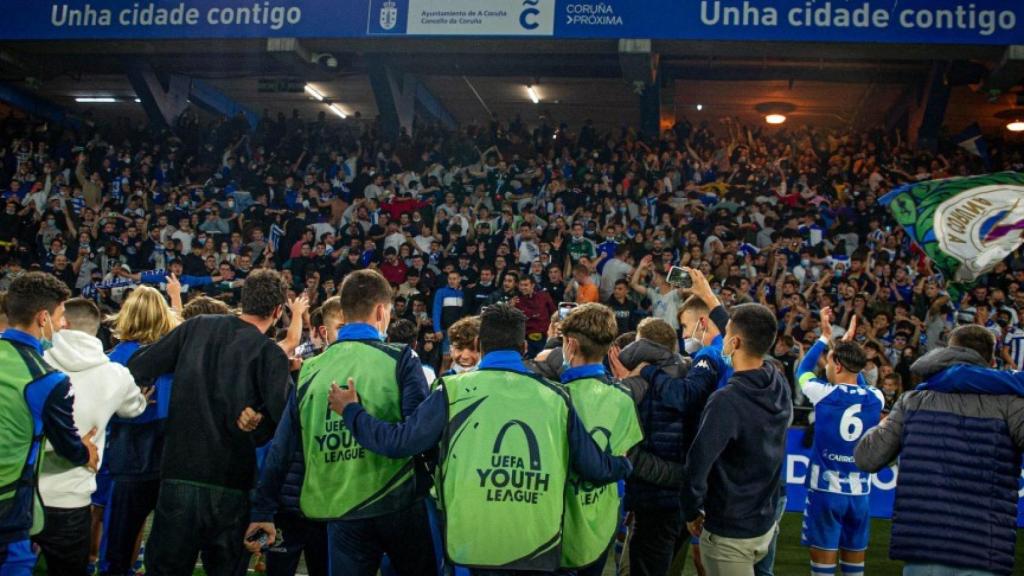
(883, 484)
(964, 225)
(908, 21)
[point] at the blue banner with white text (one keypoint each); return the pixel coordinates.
(883, 484)
(885, 21)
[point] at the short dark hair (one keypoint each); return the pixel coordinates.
(850, 355)
(361, 291)
(264, 290)
(974, 337)
(625, 339)
(502, 327)
(32, 293)
(402, 331)
(82, 315)
(757, 327)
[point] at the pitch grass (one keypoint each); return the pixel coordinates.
(792, 559)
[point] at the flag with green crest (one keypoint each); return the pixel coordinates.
(964, 225)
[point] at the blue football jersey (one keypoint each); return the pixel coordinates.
(842, 415)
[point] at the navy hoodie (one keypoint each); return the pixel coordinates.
(733, 468)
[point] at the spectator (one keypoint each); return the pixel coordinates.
(205, 483)
(464, 345)
(665, 299)
(733, 466)
(583, 285)
(102, 390)
(538, 308)
(448, 305)
(135, 445)
(626, 311)
(961, 396)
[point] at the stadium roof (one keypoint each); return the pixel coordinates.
(827, 84)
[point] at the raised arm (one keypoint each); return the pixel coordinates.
(635, 281)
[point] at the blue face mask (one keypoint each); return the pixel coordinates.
(44, 342)
(727, 358)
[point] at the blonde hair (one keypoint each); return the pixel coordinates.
(144, 317)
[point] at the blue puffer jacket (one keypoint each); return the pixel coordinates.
(959, 438)
(664, 437)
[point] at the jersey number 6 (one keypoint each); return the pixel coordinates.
(850, 426)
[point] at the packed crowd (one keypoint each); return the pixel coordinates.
(529, 226)
(539, 216)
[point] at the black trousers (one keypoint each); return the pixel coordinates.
(357, 546)
(65, 540)
(299, 535)
(657, 535)
(195, 520)
(131, 502)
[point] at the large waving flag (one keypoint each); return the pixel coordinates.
(965, 225)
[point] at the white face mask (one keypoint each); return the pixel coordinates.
(692, 345)
(459, 368)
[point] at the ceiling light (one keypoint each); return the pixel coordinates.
(337, 110)
(700, 107)
(138, 100)
(96, 99)
(775, 112)
(1015, 126)
(314, 92)
(533, 94)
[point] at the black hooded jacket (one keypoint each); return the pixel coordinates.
(733, 468)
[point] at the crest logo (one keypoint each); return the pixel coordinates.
(981, 226)
(388, 15)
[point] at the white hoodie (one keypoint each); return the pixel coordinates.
(101, 388)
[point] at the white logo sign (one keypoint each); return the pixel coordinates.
(388, 15)
(481, 17)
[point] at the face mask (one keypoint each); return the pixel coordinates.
(566, 362)
(51, 222)
(692, 345)
(727, 357)
(805, 263)
(459, 369)
(47, 343)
